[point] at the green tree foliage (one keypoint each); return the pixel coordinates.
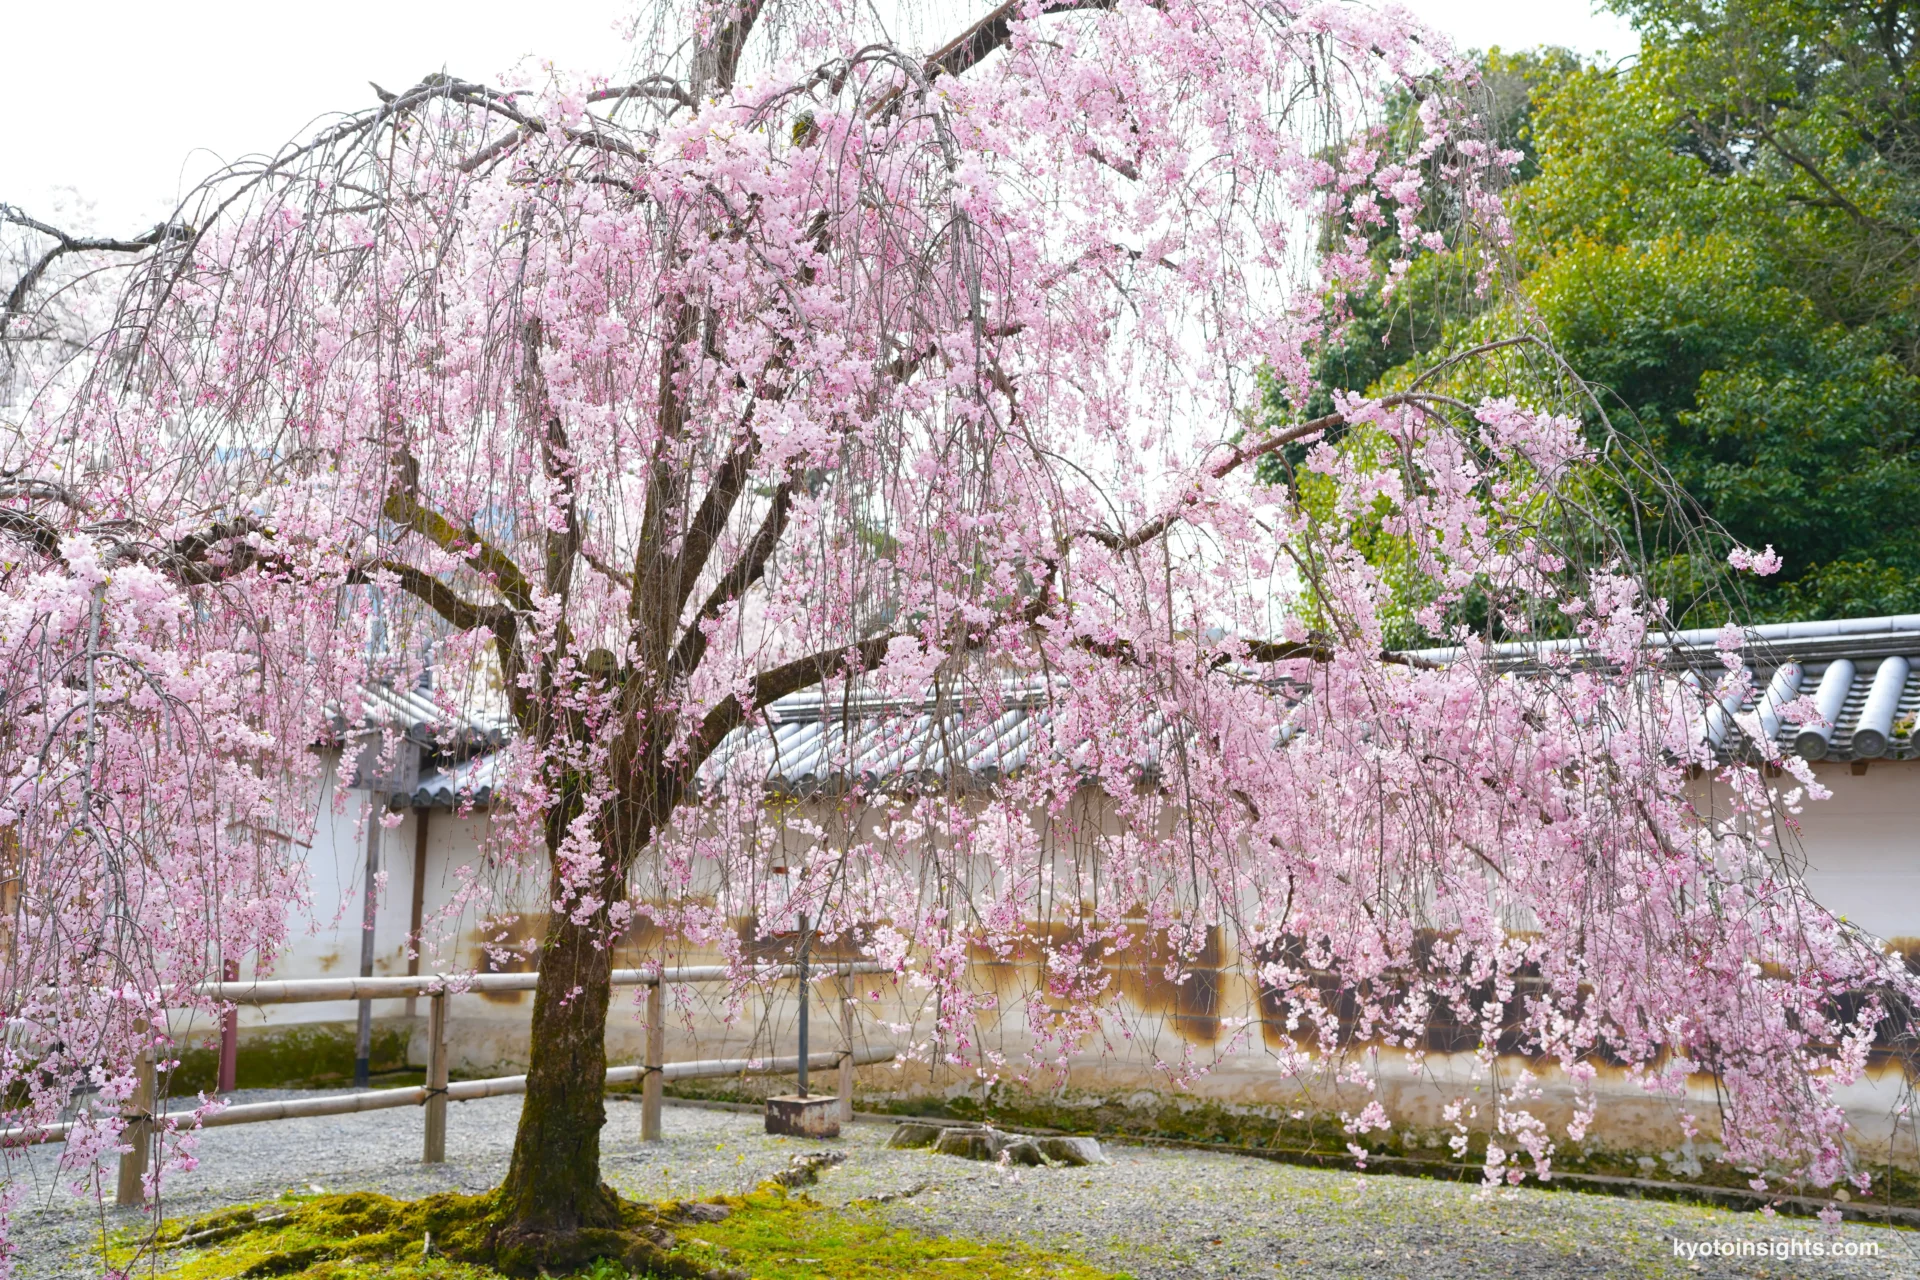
(1723, 237)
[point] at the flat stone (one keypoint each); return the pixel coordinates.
(1074, 1152)
(1023, 1152)
(804, 1170)
(815, 1116)
(698, 1211)
(916, 1133)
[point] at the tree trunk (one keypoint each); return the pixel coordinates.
(553, 1190)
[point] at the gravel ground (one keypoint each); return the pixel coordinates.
(1153, 1214)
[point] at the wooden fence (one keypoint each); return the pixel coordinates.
(144, 1123)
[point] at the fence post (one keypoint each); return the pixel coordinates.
(435, 1150)
(229, 1036)
(651, 1082)
(848, 999)
(138, 1135)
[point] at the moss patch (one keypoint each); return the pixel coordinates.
(779, 1236)
(771, 1234)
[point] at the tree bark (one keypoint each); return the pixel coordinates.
(553, 1190)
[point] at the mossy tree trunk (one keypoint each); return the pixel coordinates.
(553, 1190)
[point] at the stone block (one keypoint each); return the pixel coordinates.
(1073, 1152)
(971, 1144)
(916, 1133)
(815, 1116)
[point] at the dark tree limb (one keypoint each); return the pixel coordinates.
(711, 519)
(972, 46)
(40, 534)
(772, 685)
(652, 87)
(404, 508)
(730, 41)
(1241, 454)
(739, 578)
(459, 612)
(16, 304)
(222, 551)
(1835, 195)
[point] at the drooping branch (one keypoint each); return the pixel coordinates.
(16, 304)
(1238, 456)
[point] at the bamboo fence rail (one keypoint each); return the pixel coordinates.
(145, 1121)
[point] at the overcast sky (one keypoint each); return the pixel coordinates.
(128, 104)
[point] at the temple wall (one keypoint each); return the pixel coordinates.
(1199, 1048)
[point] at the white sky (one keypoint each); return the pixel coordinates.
(127, 104)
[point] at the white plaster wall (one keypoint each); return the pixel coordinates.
(1863, 846)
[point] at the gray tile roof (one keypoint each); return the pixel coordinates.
(809, 746)
(1864, 672)
(457, 786)
(427, 718)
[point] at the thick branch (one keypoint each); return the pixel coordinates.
(29, 528)
(653, 575)
(747, 570)
(1837, 196)
(972, 45)
(723, 54)
(404, 508)
(652, 87)
(556, 456)
(460, 613)
(223, 550)
(711, 519)
(1279, 651)
(770, 686)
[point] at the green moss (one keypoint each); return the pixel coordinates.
(771, 1235)
(779, 1236)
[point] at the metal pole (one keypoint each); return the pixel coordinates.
(363, 1036)
(138, 1134)
(847, 999)
(435, 1147)
(803, 1004)
(229, 1036)
(651, 1084)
